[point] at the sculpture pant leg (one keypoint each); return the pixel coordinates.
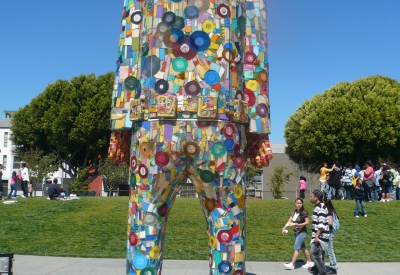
(158, 168)
(217, 171)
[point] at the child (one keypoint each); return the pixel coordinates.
(359, 197)
(13, 186)
(302, 186)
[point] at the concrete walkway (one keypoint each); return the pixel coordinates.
(38, 265)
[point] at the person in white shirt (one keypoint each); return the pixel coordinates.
(25, 179)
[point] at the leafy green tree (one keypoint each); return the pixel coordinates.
(251, 172)
(39, 164)
(80, 185)
(69, 119)
(278, 180)
(113, 174)
(350, 122)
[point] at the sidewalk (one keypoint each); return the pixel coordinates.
(38, 265)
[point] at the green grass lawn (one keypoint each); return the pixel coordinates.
(96, 226)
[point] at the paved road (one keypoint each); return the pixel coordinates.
(38, 265)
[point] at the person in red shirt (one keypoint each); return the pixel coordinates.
(368, 181)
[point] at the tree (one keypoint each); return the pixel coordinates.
(278, 180)
(350, 122)
(308, 170)
(40, 165)
(251, 172)
(113, 174)
(69, 119)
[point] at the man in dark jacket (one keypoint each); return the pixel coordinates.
(335, 180)
(54, 190)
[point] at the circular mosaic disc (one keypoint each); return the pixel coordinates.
(191, 12)
(211, 77)
(161, 159)
(202, 5)
(224, 11)
(161, 86)
(143, 172)
(225, 267)
(224, 236)
(144, 149)
(199, 41)
(152, 65)
(192, 88)
(136, 17)
(262, 110)
(169, 18)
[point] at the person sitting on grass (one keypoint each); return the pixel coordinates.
(54, 191)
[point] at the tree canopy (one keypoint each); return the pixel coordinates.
(69, 119)
(350, 122)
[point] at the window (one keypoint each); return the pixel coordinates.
(4, 161)
(5, 139)
(16, 162)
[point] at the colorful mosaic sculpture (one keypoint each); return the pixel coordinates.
(191, 91)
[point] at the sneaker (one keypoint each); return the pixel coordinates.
(13, 197)
(382, 200)
(308, 264)
(357, 216)
(22, 196)
(365, 215)
(289, 265)
(332, 271)
(342, 198)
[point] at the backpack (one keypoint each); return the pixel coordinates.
(335, 223)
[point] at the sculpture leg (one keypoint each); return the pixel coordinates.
(218, 174)
(157, 171)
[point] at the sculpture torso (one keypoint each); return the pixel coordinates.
(194, 59)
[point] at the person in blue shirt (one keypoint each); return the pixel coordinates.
(359, 197)
(54, 191)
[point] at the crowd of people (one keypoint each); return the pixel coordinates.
(379, 183)
(369, 184)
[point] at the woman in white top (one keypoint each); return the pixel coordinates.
(25, 179)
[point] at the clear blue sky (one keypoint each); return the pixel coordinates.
(312, 46)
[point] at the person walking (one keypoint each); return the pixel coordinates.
(13, 186)
(359, 197)
(302, 186)
(299, 220)
(332, 215)
(368, 181)
(323, 172)
(25, 179)
(320, 232)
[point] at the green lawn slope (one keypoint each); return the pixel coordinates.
(96, 226)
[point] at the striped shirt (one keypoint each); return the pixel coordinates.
(320, 220)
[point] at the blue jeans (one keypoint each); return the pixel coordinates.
(359, 202)
(397, 193)
(13, 187)
(331, 253)
(328, 192)
(299, 240)
(376, 193)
